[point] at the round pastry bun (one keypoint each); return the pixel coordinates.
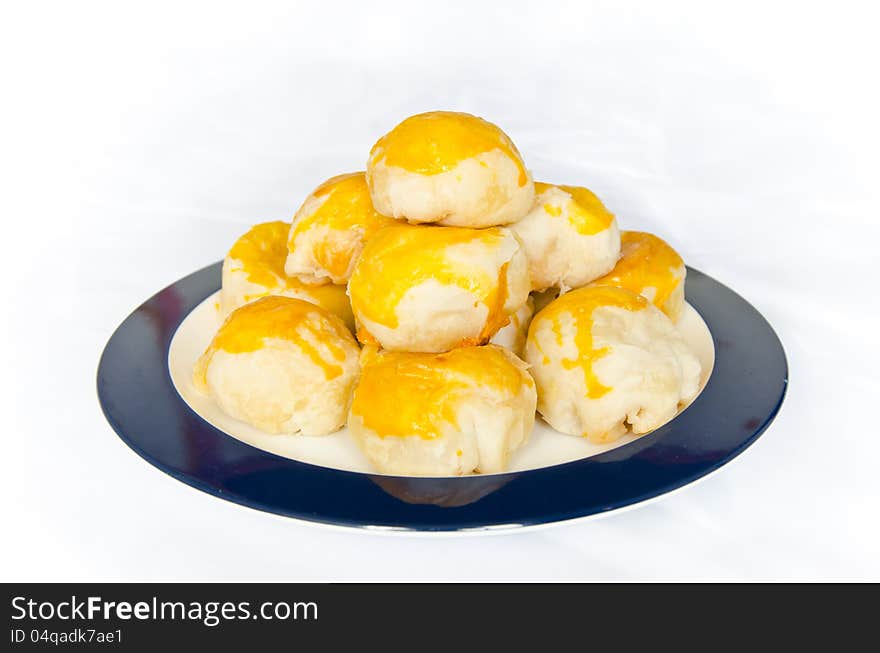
(254, 268)
(604, 358)
(650, 267)
(447, 414)
(449, 168)
(569, 236)
(430, 289)
(330, 228)
(282, 365)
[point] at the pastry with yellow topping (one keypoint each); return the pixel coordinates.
(605, 359)
(330, 228)
(282, 365)
(569, 236)
(650, 267)
(447, 414)
(513, 335)
(449, 168)
(254, 268)
(429, 289)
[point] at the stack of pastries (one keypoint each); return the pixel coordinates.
(435, 301)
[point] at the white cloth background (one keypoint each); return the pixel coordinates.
(138, 142)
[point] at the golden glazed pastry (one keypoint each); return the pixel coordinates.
(429, 289)
(604, 358)
(449, 168)
(651, 268)
(569, 236)
(254, 268)
(282, 365)
(330, 229)
(444, 414)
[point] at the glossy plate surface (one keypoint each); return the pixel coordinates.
(743, 395)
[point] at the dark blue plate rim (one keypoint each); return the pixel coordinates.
(742, 397)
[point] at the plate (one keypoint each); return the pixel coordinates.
(139, 399)
(545, 446)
